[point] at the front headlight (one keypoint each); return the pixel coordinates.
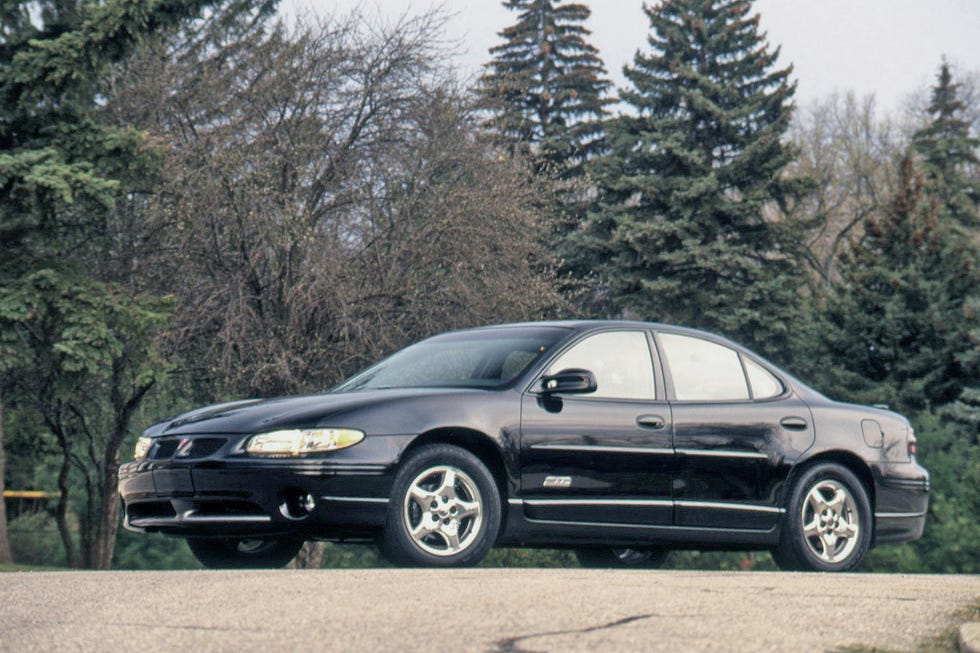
(295, 442)
(142, 447)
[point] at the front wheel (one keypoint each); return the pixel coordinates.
(828, 522)
(610, 558)
(444, 509)
(231, 553)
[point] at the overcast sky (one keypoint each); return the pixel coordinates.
(887, 47)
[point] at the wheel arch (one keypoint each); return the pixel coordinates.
(476, 442)
(846, 459)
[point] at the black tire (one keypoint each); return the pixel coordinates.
(828, 523)
(458, 523)
(237, 553)
(614, 558)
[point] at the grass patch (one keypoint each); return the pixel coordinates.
(944, 641)
(7, 566)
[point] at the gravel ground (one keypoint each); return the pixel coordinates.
(492, 610)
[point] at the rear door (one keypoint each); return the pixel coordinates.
(603, 457)
(737, 429)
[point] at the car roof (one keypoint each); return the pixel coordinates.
(584, 325)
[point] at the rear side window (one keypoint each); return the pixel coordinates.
(702, 370)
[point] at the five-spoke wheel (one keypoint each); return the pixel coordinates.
(831, 524)
(828, 521)
(444, 509)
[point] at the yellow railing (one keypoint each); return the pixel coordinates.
(27, 494)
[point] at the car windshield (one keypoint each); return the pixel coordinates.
(487, 358)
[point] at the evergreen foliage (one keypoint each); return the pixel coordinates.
(897, 322)
(77, 351)
(683, 231)
(60, 166)
(952, 541)
(545, 85)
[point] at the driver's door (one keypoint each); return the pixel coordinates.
(606, 456)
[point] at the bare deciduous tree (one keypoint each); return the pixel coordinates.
(851, 155)
(326, 199)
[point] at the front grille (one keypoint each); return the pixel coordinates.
(203, 447)
(193, 447)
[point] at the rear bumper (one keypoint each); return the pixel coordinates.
(892, 528)
(901, 503)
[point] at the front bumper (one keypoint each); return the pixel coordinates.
(234, 495)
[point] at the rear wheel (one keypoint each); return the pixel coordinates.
(610, 558)
(232, 553)
(444, 509)
(828, 522)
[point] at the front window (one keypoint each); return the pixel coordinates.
(485, 358)
(620, 361)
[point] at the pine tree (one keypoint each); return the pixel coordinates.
(681, 231)
(950, 152)
(544, 88)
(950, 158)
(951, 450)
(896, 323)
(900, 327)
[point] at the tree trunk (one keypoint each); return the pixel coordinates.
(86, 529)
(61, 512)
(108, 526)
(104, 536)
(5, 555)
(61, 517)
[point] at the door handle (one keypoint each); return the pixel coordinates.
(651, 421)
(793, 423)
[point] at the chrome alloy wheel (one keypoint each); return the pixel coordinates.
(831, 526)
(631, 556)
(443, 510)
(251, 546)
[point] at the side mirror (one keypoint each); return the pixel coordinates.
(570, 381)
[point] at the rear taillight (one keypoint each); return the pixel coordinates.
(912, 447)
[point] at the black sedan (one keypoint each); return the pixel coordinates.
(622, 440)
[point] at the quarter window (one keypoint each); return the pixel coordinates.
(764, 385)
(702, 370)
(620, 361)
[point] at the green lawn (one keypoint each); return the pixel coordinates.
(16, 567)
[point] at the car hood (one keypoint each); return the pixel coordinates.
(258, 415)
